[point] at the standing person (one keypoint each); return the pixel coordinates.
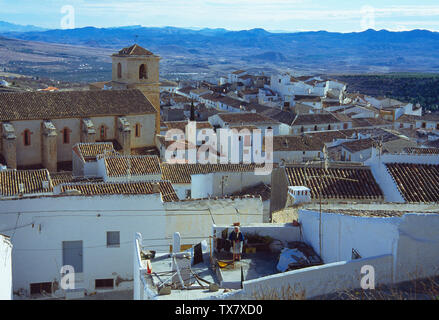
(237, 239)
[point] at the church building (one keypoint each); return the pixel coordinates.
(39, 129)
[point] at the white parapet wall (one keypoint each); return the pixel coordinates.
(417, 253)
(319, 280)
(412, 240)
(369, 236)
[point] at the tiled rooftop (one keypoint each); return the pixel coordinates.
(416, 182)
(72, 104)
(89, 151)
(312, 119)
(31, 180)
(414, 150)
(103, 188)
(353, 182)
(245, 118)
(296, 143)
(358, 145)
(119, 165)
(181, 173)
(134, 50)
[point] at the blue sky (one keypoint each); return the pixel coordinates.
(284, 15)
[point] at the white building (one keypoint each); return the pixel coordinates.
(92, 230)
(5, 268)
(234, 76)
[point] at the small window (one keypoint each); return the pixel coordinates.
(103, 132)
(119, 71)
(137, 130)
(104, 284)
(26, 137)
(113, 239)
(66, 135)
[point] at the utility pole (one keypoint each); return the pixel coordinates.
(323, 166)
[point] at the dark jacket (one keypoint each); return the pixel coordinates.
(236, 236)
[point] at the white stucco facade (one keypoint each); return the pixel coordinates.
(5, 268)
(43, 224)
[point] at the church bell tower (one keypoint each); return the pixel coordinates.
(137, 68)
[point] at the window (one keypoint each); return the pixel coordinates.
(142, 72)
(113, 239)
(137, 130)
(103, 132)
(424, 125)
(104, 284)
(66, 135)
(38, 288)
(119, 71)
(26, 137)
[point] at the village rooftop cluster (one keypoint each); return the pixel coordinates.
(87, 180)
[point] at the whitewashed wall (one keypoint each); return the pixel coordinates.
(412, 239)
(319, 280)
(342, 233)
(211, 184)
(5, 268)
(44, 223)
(417, 254)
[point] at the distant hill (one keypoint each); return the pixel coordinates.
(11, 27)
(270, 56)
(368, 51)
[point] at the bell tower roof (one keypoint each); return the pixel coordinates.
(134, 50)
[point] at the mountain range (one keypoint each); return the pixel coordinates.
(206, 50)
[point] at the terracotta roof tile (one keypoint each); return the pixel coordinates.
(89, 151)
(416, 182)
(296, 143)
(105, 188)
(134, 50)
(311, 119)
(181, 173)
(245, 118)
(72, 104)
(336, 182)
(118, 165)
(422, 150)
(31, 180)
